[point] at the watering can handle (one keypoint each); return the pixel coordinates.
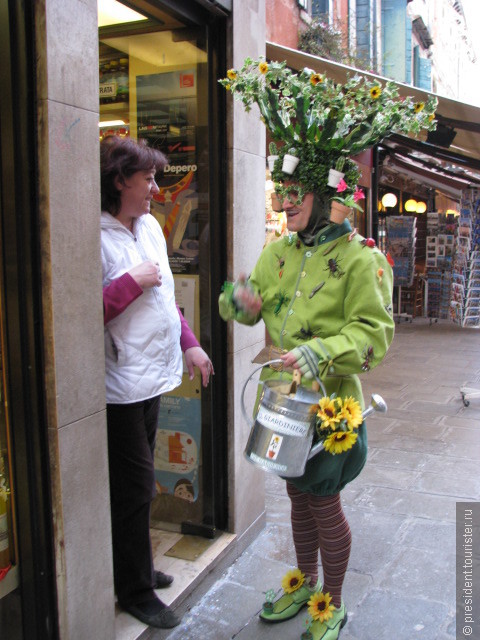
(242, 396)
(266, 364)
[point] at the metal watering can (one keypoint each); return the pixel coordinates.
(281, 437)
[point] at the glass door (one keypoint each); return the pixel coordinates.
(154, 85)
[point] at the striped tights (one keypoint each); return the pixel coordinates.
(318, 523)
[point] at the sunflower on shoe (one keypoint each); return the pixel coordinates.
(296, 594)
(325, 620)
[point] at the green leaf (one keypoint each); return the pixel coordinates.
(327, 133)
(302, 103)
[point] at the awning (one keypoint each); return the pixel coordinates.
(463, 118)
(452, 187)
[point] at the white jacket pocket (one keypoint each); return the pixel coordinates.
(114, 350)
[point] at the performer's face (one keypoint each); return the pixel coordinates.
(298, 215)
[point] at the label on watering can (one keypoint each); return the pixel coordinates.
(268, 464)
(283, 424)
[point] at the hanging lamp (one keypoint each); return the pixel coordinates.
(410, 205)
(389, 200)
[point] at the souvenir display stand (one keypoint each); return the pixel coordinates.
(440, 252)
(465, 303)
(400, 243)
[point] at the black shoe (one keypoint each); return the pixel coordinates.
(161, 580)
(161, 617)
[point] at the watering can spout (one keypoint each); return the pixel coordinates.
(377, 403)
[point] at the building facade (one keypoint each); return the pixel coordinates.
(64, 74)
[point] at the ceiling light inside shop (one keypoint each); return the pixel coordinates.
(111, 123)
(389, 200)
(421, 207)
(113, 12)
(410, 205)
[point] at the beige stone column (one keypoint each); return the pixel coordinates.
(67, 87)
(246, 224)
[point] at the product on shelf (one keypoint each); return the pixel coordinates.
(114, 81)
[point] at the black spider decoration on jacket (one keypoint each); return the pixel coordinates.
(305, 333)
(333, 265)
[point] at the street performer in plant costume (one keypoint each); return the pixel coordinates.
(325, 295)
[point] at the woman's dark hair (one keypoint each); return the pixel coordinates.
(121, 158)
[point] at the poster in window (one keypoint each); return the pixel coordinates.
(177, 447)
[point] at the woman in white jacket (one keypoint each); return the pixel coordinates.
(145, 334)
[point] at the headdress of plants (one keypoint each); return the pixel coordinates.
(323, 123)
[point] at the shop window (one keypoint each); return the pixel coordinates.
(154, 85)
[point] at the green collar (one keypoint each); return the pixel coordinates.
(327, 234)
(332, 232)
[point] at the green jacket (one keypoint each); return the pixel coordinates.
(336, 297)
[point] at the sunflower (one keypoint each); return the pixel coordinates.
(316, 78)
(340, 441)
(375, 92)
(431, 117)
(351, 412)
(293, 580)
(263, 67)
(418, 106)
(319, 606)
(327, 413)
(231, 74)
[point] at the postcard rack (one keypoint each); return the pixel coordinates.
(465, 294)
(465, 305)
(440, 252)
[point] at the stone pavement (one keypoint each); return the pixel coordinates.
(423, 457)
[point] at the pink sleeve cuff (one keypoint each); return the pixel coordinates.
(187, 337)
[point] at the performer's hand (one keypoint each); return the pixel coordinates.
(303, 358)
(245, 298)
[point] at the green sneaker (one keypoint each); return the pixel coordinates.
(329, 629)
(291, 601)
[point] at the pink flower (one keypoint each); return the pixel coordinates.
(342, 186)
(358, 195)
